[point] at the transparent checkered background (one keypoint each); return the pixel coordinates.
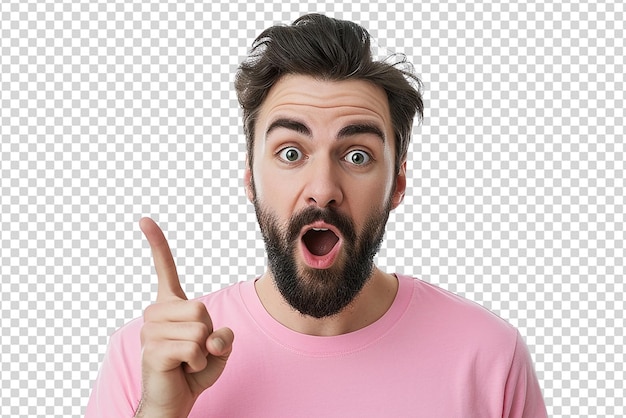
(110, 111)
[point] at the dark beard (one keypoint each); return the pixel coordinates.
(321, 292)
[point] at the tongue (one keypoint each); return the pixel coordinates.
(320, 242)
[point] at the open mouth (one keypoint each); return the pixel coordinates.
(320, 241)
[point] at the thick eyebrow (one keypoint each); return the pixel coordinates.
(290, 124)
(345, 132)
(361, 129)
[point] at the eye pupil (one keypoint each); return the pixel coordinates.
(357, 158)
(291, 155)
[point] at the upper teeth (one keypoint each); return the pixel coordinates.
(320, 229)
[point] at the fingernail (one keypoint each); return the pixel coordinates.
(218, 344)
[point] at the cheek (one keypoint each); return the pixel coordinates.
(259, 178)
(366, 199)
(380, 189)
(274, 191)
(264, 183)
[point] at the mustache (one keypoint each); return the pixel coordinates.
(313, 214)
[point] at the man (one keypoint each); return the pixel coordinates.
(323, 332)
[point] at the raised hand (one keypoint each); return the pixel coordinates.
(181, 353)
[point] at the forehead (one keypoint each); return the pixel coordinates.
(307, 96)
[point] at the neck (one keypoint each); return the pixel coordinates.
(369, 305)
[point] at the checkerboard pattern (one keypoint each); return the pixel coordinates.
(116, 110)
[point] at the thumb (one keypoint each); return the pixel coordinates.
(168, 283)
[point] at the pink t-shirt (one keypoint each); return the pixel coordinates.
(433, 354)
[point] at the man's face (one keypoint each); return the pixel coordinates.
(323, 183)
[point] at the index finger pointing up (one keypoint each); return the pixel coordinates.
(168, 282)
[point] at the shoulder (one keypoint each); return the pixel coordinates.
(464, 337)
(462, 341)
(453, 318)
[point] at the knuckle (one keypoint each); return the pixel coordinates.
(151, 350)
(149, 331)
(198, 332)
(225, 333)
(190, 351)
(151, 312)
(197, 310)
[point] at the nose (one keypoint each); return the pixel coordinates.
(323, 187)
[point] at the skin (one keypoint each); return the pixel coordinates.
(312, 116)
(182, 355)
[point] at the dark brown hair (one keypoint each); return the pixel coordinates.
(328, 49)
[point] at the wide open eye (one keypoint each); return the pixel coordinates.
(358, 157)
(290, 154)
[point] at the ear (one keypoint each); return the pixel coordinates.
(398, 194)
(247, 181)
